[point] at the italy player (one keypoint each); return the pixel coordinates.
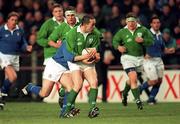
(12, 42)
(153, 64)
(130, 41)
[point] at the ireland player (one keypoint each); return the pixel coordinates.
(130, 41)
(77, 39)
(56, 70)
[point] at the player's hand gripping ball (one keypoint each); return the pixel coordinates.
(86, 51)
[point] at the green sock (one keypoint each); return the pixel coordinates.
(62, 92)
(92, 97)
(126, 89)
(71, 99)
(136, 93)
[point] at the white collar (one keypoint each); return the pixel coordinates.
(138, 25)
(152, 30)
(6, 27)
(80, 31)
(54, 19)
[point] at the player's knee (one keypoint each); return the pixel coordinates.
(69, 87)
(94, 84)
(12, 78)
(77, 87)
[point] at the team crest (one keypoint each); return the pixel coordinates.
(6, 35)
(90, 40)
(139, 34)
(18, 33)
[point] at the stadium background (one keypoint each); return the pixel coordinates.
(110, 17)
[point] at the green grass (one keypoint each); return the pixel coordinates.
(111, 113)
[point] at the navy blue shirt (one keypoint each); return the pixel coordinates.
(63, 55)
(157, 48)
(12, 42)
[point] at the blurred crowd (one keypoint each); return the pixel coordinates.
(109, 14)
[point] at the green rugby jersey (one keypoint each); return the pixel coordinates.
(60, 32)
(76, 41)
(125, 38)
(43, 34)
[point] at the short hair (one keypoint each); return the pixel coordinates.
(56, 5)
(70, 8)
(13, 14)
(131, 14)
(154, 17)
(86, 19)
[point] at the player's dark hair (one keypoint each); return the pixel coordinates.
(13, 14)
(70, 8)
(86, 19)
(131, 14)
(56, 5)
(154, 17)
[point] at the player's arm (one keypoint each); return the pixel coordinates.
(117, 42)
(69, 56)
(53, 39)
(147, 38)
(43, 35)
(24, 44)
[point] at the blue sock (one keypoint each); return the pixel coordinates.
(33, 89)
(144, 86)
(64, 104)
(6, 86)
(154, 91)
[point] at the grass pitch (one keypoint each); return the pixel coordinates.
(110, 113)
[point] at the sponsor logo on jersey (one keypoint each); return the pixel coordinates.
(129, 40)
(79, 43)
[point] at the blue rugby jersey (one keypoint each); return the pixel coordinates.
(63, 55)
(12, 42)
(157, 48)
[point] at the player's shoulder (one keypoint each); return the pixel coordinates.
(48, 22)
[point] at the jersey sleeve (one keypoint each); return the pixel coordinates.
(148, 38)
(43, 35)
(57, 33)
(24, 42)
(117, 39)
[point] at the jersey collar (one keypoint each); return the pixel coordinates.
(152, 30)
(6, 27)
(54, 19)
(80, 31)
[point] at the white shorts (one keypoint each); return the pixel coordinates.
(6, 60)
(153, 68)
(53, 70)
(129, 61)
(80, 66)
(46, 61)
